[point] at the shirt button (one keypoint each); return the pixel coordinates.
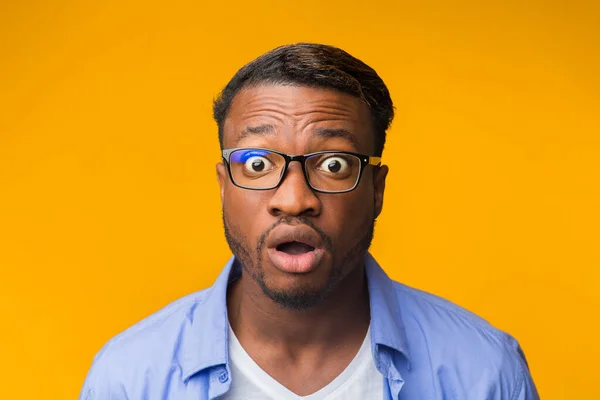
(223, 377)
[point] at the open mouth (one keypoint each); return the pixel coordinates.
(294, 248)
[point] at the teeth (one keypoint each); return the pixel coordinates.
(295, 248)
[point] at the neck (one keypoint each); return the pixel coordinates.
(343, 314)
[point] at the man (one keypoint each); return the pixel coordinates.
(302, 310)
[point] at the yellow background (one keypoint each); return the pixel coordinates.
(109, 207)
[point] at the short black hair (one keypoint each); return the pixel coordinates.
(313, 65)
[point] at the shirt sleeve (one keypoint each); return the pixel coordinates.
(100, 384)
(528, 390)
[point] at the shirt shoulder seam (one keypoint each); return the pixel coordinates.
(452, 308)
(197, 298)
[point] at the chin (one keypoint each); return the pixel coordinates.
(298, 292)
(297, 299)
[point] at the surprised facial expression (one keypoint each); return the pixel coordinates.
(298, 243)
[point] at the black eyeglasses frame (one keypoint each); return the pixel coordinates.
(364, 161)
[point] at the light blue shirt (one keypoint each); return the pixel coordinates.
(425, 348)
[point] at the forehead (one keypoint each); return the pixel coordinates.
(285, 113)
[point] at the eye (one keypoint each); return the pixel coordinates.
(334, 165)
(258, 164)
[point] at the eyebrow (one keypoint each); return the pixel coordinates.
(337, 133)
(268, 130)
(259, 130)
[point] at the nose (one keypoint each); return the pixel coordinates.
(294, 197)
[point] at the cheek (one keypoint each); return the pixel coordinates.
(348, 217)
(243, 210)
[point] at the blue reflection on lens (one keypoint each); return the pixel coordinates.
(241, 156)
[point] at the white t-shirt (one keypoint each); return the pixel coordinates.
(360, 380)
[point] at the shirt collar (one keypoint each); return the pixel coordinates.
(387, 325)
(204, 338)
(205, 345)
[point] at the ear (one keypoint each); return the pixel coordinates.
(222, 178)
(379, 185)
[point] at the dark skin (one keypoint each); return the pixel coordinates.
(303, 349)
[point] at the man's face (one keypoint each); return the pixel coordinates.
(298, 244)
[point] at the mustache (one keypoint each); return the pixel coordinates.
(327, 242)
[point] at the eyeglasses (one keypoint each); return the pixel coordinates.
(325, 171)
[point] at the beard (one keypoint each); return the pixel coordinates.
(300, 298)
